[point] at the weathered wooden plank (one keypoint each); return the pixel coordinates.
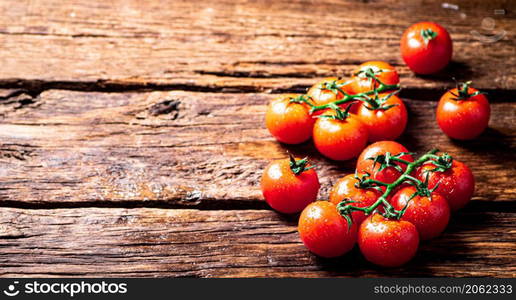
(157, 242)
(239, 45)
(65, 148)
(206, 150)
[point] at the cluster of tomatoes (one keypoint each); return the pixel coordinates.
(342, 116)
(389, 204)
(392, 201)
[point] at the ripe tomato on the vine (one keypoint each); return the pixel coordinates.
(330, 90)
(383, 71)
(388, 174)
(463, 113)
(388, 243)
(324, 231)
(289, 185)
(327, 90)
(426, 47)
(430, 215)
(385, 119)
(339, 139)
(456, 184)
(345, 188)
(289, 122)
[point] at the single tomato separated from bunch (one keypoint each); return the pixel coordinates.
(289, 185)
(324, 231)
(463, 112)
(330, 90)
(346, 188)
(362, 80)
(389, 174)
(339, 135)
(385, 116)
(426, 47)
(387, 243)
(456, 184)
(430, 215)
(289, 121)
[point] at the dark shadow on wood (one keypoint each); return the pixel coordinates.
(458, 70)
(491, 142)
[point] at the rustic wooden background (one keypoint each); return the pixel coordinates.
(132, 137)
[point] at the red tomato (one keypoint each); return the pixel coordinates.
(389, 174)
(430, 215)
(384, 124)
(289, 123)
(322, 94)
(345, 188)
(324, 231)
(388, 243)
(382, 71)
(285, 191)
(456, 184)
(463, 119)
(339, 139)
(426, 47)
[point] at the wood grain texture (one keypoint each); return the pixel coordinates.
(238, 45)
(252, 243)
(184, 148)
(132, 137)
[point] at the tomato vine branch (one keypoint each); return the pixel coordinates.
(360, 96)
(335, 87)
(441, 162)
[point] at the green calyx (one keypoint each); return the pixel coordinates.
(442, 162)
(365, 182)
(428, 35)
(299, 166)
(379, 103)
(421, 187)
(339, 113)
(388, 160)
(368, 72)
(302, 99)
(463, 91)
(334, 87)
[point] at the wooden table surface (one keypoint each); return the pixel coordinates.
(132, 134)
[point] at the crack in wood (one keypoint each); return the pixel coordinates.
(205, 204)
(36, 87)
(16, 100)
(170, 106)
(213, 205)
(259, 74)
(29, 90)
(16, 152)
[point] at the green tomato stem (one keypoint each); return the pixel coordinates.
(360, 96)
(345, 208)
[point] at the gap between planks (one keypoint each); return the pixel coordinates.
(227, 205)
(35, 87)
